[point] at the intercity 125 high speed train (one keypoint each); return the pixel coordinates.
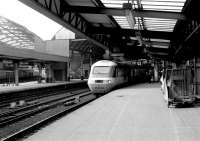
(106, 75)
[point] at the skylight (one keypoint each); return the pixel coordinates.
(114, 3)
(163, 5)
(122, 21)
(159, 46)
(153, 24)
(156, 24)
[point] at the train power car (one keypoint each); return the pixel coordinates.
(106, 75)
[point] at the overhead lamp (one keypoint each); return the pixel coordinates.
(129, 14)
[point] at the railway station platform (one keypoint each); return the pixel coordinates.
(32, 85)
(136, 112)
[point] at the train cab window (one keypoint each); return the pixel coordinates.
(101, 70)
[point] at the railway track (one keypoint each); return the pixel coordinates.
(15, 114)
(29, 101)
(16, 122)
(32, 94)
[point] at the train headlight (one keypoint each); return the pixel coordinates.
(107, 81)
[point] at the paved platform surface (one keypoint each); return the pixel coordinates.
(136, 113)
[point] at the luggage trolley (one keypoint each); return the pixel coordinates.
(180, 87)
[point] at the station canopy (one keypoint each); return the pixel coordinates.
(133, 27)
(18, 43)
(149, 23)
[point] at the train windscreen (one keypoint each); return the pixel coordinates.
(102, 70)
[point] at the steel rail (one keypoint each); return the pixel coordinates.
(12, 116)
(54, 116)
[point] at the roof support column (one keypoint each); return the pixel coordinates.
(82, 73)
(40, 73)
(49, 73)
(91, 58)
(155, 71)
(16, 72)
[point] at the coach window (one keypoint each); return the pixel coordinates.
(114, 71)
(120, 72)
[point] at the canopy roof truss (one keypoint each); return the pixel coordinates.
(153, 26)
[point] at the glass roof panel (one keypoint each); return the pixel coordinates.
(162, 8)
(2, 36)
(12, 41)
(160, 40)
(162, 3)
(166, 10)
(153, 24)
(159, 46)
(157, 24)
(114, 3)
(15, 44)
(5, 39)
(122, 21)
(175, 1)
(15, 35)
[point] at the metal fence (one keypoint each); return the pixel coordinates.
(7, 77)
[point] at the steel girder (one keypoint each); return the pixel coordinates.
(188, 39)
(121, 12)
(98, 3)
(131, 32)
(56, 10)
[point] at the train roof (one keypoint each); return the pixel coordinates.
(105, 63)
(114, 63)
(110, 63)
